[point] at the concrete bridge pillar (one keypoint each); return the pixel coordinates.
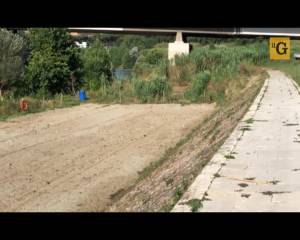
(178, 47)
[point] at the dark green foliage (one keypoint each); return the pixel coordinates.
(131, 41)
(157, 87)
(230, 57)
(57, 39)
(205, 74)
(195, 204)
(128, 60)
(46, 72)
(151, 59)
(117, 54)
(97, 66)
(127, 49)
(54, 64)
(154, 56)
(199, 85)
(11, 58)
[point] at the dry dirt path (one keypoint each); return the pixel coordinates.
(73, 159)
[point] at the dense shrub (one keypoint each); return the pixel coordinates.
(198, 86)
(155, 88)
(62, 71)
(154, 56)
(129, 58)
(11, 59)
(209, 59)
(213, 66)
(182, 72)
(97, 66)
(151, 60)
(46, 72)
(128, 49)
(117, 54)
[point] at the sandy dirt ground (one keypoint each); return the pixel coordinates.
(74, 159)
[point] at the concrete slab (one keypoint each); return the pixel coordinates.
(264, 175)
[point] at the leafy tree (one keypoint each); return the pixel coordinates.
(46, 72)
(153, 56)
(11, 58)
(130, 41)
(128, 48)
(117, 54)
(56, 39)
(128, 60)
(54, 64)
(97, 65)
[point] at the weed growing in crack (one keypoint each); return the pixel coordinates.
(249, 121)
(195, 204)
(229, 156)
(243, 185)
(245, 195)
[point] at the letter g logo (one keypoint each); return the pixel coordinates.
(281, 50)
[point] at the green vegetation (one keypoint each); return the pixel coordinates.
(195, 204)
(97, 66)
(198, 86)
(9, 107)
(249, 121)
(156, 88)
(39, 66)
(214, 71)
(229, 156)
(245, 128)
(206, 75)
(11, 59)
(54, 63)
(126, 50)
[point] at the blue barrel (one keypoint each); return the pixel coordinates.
(82, 95)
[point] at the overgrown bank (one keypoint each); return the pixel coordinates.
(51, 65)
(162, 184)
(202, 76)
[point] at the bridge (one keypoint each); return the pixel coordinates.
(290, 32)
(180, 47)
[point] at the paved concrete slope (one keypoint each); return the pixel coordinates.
(258, 167)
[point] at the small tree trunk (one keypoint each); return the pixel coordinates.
(73, 78)
(61, 99)
(73, 88)
(120, 94)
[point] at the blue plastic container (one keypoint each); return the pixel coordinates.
(82, 95)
